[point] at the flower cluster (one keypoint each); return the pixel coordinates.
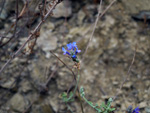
(72, 51)
(129, 110)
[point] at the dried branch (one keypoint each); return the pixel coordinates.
(15, 24)
(25, 111)
(65, 65)
(18, 17)
(128, 74)
(44, 88)
(23, 10)
(74, 79)
(30, 36)
(52, 74)
(98, 17)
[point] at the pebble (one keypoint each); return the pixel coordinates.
(143, 104)
(17, 102)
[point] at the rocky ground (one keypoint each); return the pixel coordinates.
(104, 68)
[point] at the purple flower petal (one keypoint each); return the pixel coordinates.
(136, 110)
(78, 51)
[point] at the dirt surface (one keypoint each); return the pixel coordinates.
(103, 70)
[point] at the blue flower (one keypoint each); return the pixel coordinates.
(65, 51)
(72, 51)
(136, 110)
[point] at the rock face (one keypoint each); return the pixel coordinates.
(103, 69)
(134, 6)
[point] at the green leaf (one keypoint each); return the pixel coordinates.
(82, 92)
(103, 105)
(103, 108)
(71, 94)
(112, 109)
(64, 94)
(96, 105)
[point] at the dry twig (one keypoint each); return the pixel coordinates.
(30, 36)
(44, 87)
(128, 74)
(98, 17)
(74, 78)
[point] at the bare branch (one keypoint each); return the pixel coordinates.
(128, 73)
(65, 65)
(98, 17)
(74, 78)
(52, 74)
(29, 37)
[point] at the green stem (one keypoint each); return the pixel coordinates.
(79, 93)
(69, 108)
(91, 105)
(75, 88)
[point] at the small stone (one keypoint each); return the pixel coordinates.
(147, 109)
(9, 84)
(147, 83)
(105, 97)
(113, 43)
(108, 23)
(25, 86)
(143, 104)
(115, 83)
(17, 102)
(145, 96)
(38, 69)
(95, 72)
(123, 107)
(81, 16)
(46, 108)
(77, 30)
(127, 85)
(3, 15)
(64, 29)
(47, 41)
(63, 9)
(142, 38)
